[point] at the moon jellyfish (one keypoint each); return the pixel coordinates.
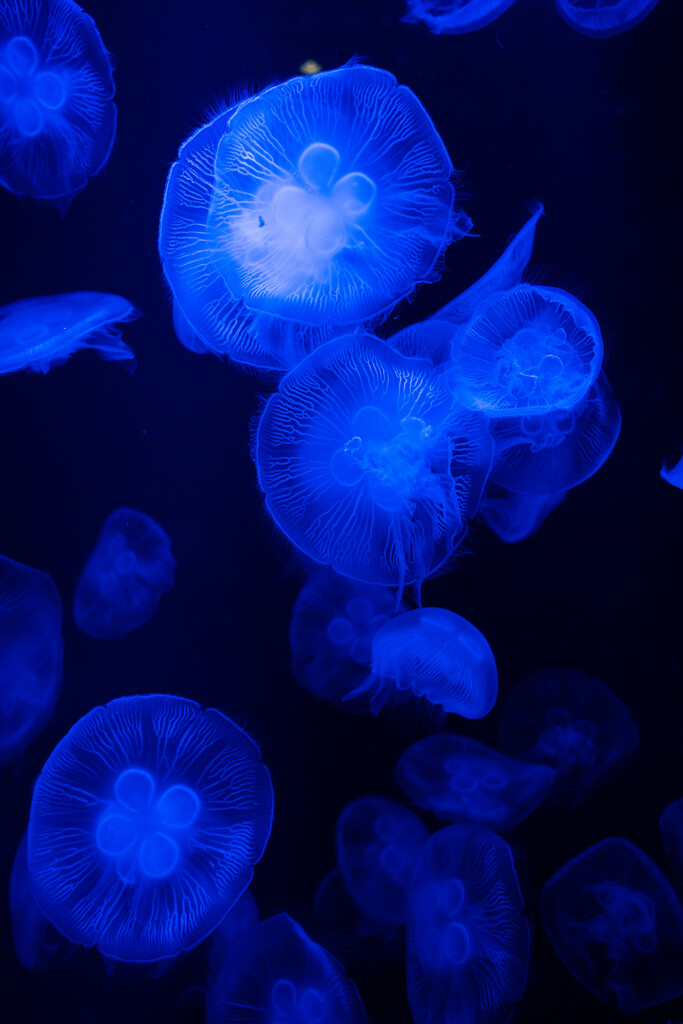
(37, 334)
(128, 572)
(279, 974)
(36, 942)
(367, 466)
(435, 654)
(57, 116)
(572, 723)
(671, 825)
(460, 779)
(377, 843)
(617, 926)
(602, 18)
(30, 654)
(525, 352)
(514, 517)
(468, 942)
(315, 205)
(453, 17)
(146, 821)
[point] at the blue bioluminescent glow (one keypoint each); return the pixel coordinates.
(602, 18)
(36, 942)
(513, 516)
(453, 17)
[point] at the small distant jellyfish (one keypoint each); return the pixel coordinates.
(57, 115)
(124, 579)
(512, 516)
(603, 18)
(468, 942)
(31, 651)
(282, 224)
(148, 805)
(366, 464)
(460, 779)
(378, 841)
(278, 975)
(453, 17)
(616, 924)
(571, 722)
(37, 334)
(671, 825)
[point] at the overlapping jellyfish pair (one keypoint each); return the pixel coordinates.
(57, 115)
(314, 206)
(597, 18)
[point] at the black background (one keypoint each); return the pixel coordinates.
(528, 109)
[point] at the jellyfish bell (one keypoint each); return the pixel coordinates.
(454, 17)
(602, 19)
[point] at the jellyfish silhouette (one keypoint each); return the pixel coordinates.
(37, 334)
(460, 779)
(377, 844)
(468, 942)
(367, 466)
(454, 17)
(57, 116)
(333, 625)
(129, 570)
(617, 926)
(571, 722)
(603, 18)
(280, 974)
(315, 205)
(671, 825)
(145, 824)
(514, 517)
(36, 942)
(30, 654)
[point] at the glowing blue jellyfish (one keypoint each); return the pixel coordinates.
(315, 205)
(525, 352)
(57, 116)
(602, 18)
(333, 625)
(671, 824)
(460, 779)
(557, 451)
(617, 926)
(366, 465)
(468, 943)
(513, 516)
(571, 722)
(30, 654)
(455, 17)
(673, 474)
(236, 924)
(437, 655)
(129, 570)
(146, 821)
(36, 942)
(37, 334)
(377, 843)
(280, 975)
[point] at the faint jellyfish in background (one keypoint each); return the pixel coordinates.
(460, 779)
(278, 974)
(616, 924)
(147, 805)
(37, 334)
(468, 942)
(236, 924)
(377, 842)
(453, 17)
(333, 625)
(36, 941)
(282, 226)
(130, 569)
(571, 722)
(513, 516)
(367, 466)
(31, 652)
(671, 825)
(602, 18)
(57, 116)
(673, 474)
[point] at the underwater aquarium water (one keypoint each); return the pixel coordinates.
(394, 319)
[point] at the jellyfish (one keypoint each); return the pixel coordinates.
(232, 930)
(460, 779)
(280, 975)
(367, 466)
(468, 942)
(673, 474)
(572, 723)
(128, 572)
(145, 824)
(30, 654)
(455, 17)
(333, 625)
(514, 517)
(671, 825)
(434, 654)
(603, 18)
(377, 843)
(36, 942)
(313, 206)
(57, 115)
(37, 334)
(616, 924)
